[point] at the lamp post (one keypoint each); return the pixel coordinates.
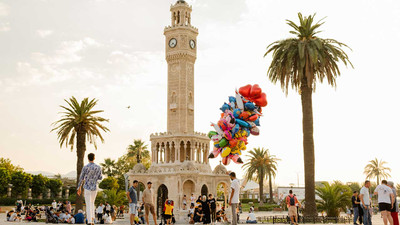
(9, 189)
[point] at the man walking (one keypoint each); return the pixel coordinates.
(395, 209)
(148, 203)
(365, 202)
(91, 174)
(234, 199)
(356, 203)
(385, 200)
(132, 197)
(291, 201)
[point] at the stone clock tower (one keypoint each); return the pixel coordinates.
(180, 53)
(179, 157)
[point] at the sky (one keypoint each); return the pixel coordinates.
(114, 51)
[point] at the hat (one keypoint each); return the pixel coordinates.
(390, 183)
(149, 182)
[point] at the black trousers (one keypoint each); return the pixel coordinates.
(213, 215)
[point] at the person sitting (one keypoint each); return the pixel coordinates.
(198, 214)
(221, 215)
(67, 217)
(191, 214)
(79, 217)
(141, 214)
(251, 218)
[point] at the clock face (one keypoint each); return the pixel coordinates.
(192, 44)
(172, 42)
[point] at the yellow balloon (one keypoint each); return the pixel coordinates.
(225, 152)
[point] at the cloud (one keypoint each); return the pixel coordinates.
(44, 33)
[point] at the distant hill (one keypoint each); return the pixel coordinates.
(71, 174)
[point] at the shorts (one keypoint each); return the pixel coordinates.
(167, 217)
(385, 207)
(132, 208)
(149, 207)
(292, 210)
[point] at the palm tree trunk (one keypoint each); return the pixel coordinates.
(308, 149)
(271, 198)
(261, 187)
(377, 179)
(80, 153)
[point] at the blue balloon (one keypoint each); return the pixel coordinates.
(249, 106)
(232, 99)
(247, 131)
(257, 122)
(225, 107)
(243, 123)
(236, 113)
(235, 129)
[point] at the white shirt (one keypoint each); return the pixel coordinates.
(192, 199)
(13, 217)
(235, 185)
(99, 210)
(384, 193)
(252, 217)
(54, 205)
(365, 192)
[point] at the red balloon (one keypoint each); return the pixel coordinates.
(262, 100)
(245, 90)
(255, 91)
(226, 161)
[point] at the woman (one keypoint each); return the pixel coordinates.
(206, 210)
(184, 202)
(68, 206)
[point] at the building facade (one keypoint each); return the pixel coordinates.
(180, 155)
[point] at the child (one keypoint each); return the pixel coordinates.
(168, 211)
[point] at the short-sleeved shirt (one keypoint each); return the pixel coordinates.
(365, 192)
(133, 195)
(384, 193)
(354, 200)
(212, 203)
(79, 218)
(291, 196)
(252, 216)
(91, 174)
(168, 209)
(192, 199)
(148, 196)
(235, 185)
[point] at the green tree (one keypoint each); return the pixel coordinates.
(354, 186)
(300, 62)
(108, 167)
(335, 197)
(6, 163)
(54, 185)
(138, 150)
(109, 183)
(5, 179)
(260, 166)
(82, 122)
(376, 168)
(113, 197)
(21, 182)
(39, 183)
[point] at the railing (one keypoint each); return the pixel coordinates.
(312, 219)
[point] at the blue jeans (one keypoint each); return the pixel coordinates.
(356, 214)
(367, 216)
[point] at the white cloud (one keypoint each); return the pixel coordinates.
(44, 33)
(4, 26)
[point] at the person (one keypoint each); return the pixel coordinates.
(79, 217)
(14, 216)
(192, 199)
(132, 197)
(221, 216)
(184, 202)
(91, 174)
(213, 207)
(206, 210)
(251, 218)
(355, 200)
(108, 208)
(198, 201)
(68, 206)
(385, 201)
(234, 198)
(67, 217)
(141, 214)
(394, 212)
(114, 210)
(107, 218)
(168, 211)
(99, 212)
(365, 202)
(191, 214)
(120, 213)
(291, 201)
(54, 204)
(198, 214)
(148, 203)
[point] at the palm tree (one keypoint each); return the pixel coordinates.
(334, 197)
(138, 149)
(376, 168)
(108, 167)
(299, 62)
(80, 121)
(260, 165)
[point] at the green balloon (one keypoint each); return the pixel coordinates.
(223, 142)
(211, 133)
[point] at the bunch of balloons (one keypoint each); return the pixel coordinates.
(239, 118)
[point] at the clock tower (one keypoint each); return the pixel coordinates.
(180, 53)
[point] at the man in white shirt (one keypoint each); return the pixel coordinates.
(54, 204)
(99, 212)
(234, 199)
(365, 202)
(251, 218)
(385, 200)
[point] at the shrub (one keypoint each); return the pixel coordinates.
(12, 201)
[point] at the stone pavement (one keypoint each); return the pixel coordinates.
(376, 219)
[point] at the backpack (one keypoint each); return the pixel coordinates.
(292, 201)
